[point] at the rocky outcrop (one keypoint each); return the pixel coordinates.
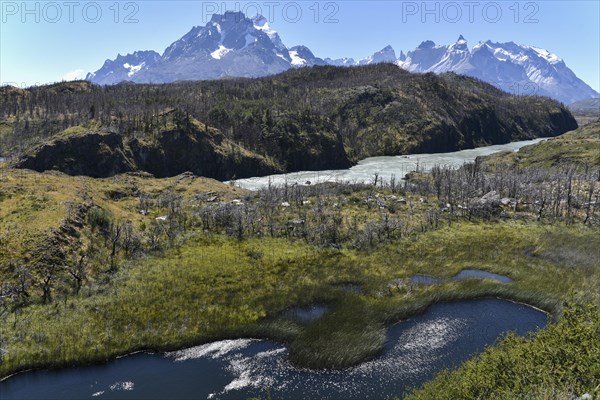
(190, 146)
(488, 127)
(94, 154)
(101, 154)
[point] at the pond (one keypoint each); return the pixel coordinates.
(425, 279)
(479, 274)
(398, 166)
(444, 336)
(349, 287)
(305, 314)
(462, 275)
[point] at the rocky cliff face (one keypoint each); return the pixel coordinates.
(205, 152)
(94, 154)
(486, 126)
(101, 154)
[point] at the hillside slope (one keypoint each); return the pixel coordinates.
(586, 111)
(43, 216)
(177, 149)
(307, 119)
(580, 148)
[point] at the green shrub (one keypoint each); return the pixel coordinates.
(98, 219)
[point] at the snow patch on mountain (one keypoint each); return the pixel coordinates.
(261, 24)
(250, 39)
(551, 58)
(133, 68)
(296, 60)
(220, 52)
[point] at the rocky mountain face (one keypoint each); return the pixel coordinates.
(385, 55)
(124, 68)
(517, 69)
(302, 57)
(184, 145)
(589, 105)
(103, 154)
(229, 45)
(233, 45)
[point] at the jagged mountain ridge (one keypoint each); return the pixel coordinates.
(233, 45)
(228, 45)
(518, 69)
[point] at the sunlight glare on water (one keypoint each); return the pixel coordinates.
(417, 348)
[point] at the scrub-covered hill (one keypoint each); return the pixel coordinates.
(306, 119)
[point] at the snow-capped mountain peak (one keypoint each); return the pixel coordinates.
(341, 62)
(516, 68)
(460, 44)
(545, 54)
(427, 44)
(125, 67)
(302, 57)
(387, 54)
(261, 23)
(230, 44)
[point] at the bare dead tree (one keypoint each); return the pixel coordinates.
(77, 268)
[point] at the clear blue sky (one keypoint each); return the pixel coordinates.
(80, 40)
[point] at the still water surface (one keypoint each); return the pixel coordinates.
(444, 336)
(462, 275)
